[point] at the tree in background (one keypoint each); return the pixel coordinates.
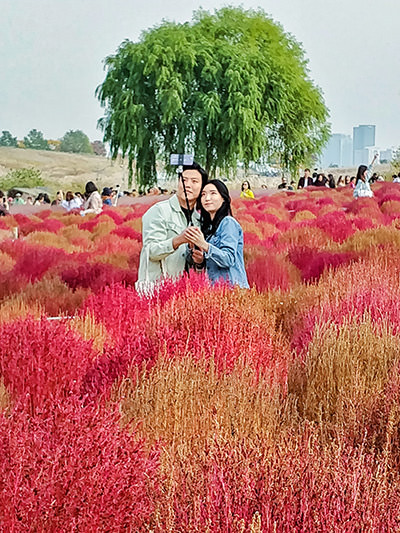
(99, 148)
(35, 140)
(228, 87)
(6, 139)
(396, 160)
(76, 142)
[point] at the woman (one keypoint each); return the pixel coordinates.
(93, 203)
(71, 202)
(363, 188)
(246, 190)
(219, 242)
(321, 181)
(340, 182)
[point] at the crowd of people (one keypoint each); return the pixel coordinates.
(91, 201)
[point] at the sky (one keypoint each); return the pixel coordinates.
(52, 51)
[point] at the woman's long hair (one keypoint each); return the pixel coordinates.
(208, 226)
(89, 188)
(248, 185)
(360, 172)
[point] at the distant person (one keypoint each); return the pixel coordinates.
(283, 184)
(39, 200)
(396, 178)
(106, 196)
(246, 190)
(352, 182)
(71, 202)
(4, 207)
(306, 180)
(321, 181)
(58, 199)
(263, 186)
(373, 178)
(18, 200)
(340, 182)
(46, 199)
(347, 180)
(93, 202)
(292, 186)
(363, 188)
(331, 181)
(29, 200)
(219, 242)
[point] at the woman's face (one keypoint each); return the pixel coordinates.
(211, 199)
(245, 185)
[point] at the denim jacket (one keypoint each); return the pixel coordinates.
(224, 259)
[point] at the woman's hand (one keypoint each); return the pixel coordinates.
(196, 238)
(198, 257)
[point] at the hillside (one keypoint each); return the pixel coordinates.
(64, 170)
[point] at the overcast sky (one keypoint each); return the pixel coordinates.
(51, 54)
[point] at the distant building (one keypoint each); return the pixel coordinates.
(386, 155)
(363, 141)
(338, 152)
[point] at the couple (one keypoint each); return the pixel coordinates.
(212, 237)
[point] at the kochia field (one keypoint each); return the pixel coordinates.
(204, 409)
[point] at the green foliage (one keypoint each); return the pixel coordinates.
(22, 177)
(396, 160)
(35, 140)
(76, 142)
(229, 87)
(6, 139)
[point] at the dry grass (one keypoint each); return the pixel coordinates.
(90, 329)
(346, 370)
(187, 404)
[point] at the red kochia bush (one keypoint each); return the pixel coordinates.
(97, 276)
(312, 263)
(71, 468)
(42, 361)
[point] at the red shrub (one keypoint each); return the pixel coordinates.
(96, 276)
(312, 263)
(74, 469)
(42, 361)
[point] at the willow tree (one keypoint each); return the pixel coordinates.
(228, 87)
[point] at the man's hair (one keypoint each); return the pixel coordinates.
(196, 166)
(307, 170)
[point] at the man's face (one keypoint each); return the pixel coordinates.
(192, 179)
(307, 174)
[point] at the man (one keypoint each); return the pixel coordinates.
(164, 228)
(306, 180)
(283, 184)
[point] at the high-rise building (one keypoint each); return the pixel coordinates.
(363, 138)
(338, 151)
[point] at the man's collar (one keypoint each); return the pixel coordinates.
(176, 206)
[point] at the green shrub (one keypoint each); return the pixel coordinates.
(21, 177)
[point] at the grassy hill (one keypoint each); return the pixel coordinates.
(66, 171)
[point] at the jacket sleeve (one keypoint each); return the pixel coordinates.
(155, 235)
(224, 255)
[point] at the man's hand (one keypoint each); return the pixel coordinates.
(182, 238)
(196, 238)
